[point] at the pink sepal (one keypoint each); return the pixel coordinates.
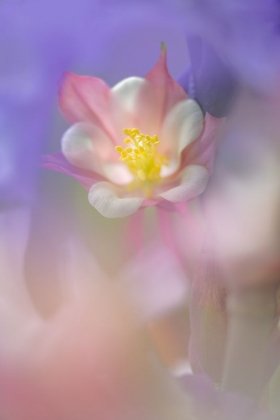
(86, 99)
(57, 162)
(168, 91)
(203, 150)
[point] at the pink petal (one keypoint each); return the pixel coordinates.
(203, 150)
(168, 91)
(58, 162)
(108, 200)
(86, 99)
(194, 179)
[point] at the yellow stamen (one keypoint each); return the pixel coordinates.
(142, 159)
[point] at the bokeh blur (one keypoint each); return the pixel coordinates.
(158, 315)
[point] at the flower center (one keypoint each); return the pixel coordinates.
(142, 159)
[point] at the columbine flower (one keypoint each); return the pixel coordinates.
(141, 143)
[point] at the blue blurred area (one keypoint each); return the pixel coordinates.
(40, 40)
(230, 43)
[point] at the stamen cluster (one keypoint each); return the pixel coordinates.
(141, 157)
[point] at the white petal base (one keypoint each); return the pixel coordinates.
(181, 127)
(194, 179)
(105, 198)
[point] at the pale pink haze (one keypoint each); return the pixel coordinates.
(92, 359)
(157, 106)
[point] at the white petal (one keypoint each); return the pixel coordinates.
(105, 198)
(183, 125)
(171, 168)
(127, 92)
(192, 126)
(118, 173)
(194, 179)
(86, 146)
(134, 104)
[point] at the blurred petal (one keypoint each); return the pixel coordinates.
(194, 179)
(242, 204)
(244, 37)
(108, 201)
(210, 81)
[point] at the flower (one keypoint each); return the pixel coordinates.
(38, 44)
(170, 145)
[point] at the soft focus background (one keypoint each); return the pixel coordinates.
(55, 249)
(91, 326)
(39, 41)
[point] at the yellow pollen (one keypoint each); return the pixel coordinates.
(142, 158)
